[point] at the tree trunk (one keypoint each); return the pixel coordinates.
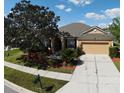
(52, 46)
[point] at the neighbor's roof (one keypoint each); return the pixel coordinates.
(75, 29)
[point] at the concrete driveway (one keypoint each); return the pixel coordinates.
(96, 74)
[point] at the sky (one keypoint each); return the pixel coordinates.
(91, 12)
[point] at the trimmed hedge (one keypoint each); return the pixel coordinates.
(114, 52)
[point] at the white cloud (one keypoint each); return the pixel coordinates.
(68, 9)
(76, 2)
(81, 2)
(60, 6)
(5, 15)
(85, 2)
(94, 16)
(82, 21)
(103, 25)
(110, 23)
(63, 7)
(114, 12)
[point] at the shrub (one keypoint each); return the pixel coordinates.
(54, 62)
(114, 52)
(79, 52)
(68, 55)
(50, 62)
(34, 59)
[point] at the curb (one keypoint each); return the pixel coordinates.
(17, 88)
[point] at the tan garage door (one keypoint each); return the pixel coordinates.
(100, 48)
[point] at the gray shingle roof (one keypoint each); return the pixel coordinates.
(95, 37)
(80, 31)
(98, 36)
(75, 29)
(94, 27)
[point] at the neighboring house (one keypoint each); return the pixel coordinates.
(93, 40)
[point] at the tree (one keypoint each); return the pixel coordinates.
(115, 29)
(7, 31)
(30, 26)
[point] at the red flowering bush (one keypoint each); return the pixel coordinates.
(116, 59)
(34, 58)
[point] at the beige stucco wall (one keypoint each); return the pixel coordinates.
(95, 31)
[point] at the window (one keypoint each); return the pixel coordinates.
(71, 42)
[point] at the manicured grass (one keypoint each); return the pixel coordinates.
(26, 80)
(117, 64)
(11, 52)
(12, 55)
(61, 69)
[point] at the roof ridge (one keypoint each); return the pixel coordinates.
(74, 23)
(75, 29)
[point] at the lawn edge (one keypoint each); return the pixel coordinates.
(17, 88)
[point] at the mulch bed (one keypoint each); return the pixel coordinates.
(69, 67)
(116, 59)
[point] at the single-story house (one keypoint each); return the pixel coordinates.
(93, 40)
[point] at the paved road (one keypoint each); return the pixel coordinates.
(96, 74)
(8, 90)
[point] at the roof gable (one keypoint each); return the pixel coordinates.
(94, 30)
(95, 33)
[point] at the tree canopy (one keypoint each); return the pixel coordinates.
(27, 26)
(115, 29)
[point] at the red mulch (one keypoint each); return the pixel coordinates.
(116, 59)
(69, 67)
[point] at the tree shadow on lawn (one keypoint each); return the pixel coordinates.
(49, 88)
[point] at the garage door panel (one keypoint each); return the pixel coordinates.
(95, 48)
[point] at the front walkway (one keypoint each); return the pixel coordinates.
(97, 74)
(44, 73)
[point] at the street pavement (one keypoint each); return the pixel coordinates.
(9, 90)
(10, 87)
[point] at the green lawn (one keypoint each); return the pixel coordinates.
(25, 80)
(117, 64)
(12, 55)
(61, 69)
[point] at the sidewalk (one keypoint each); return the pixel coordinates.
(97, 74)
(33, 71)
(15, 88)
